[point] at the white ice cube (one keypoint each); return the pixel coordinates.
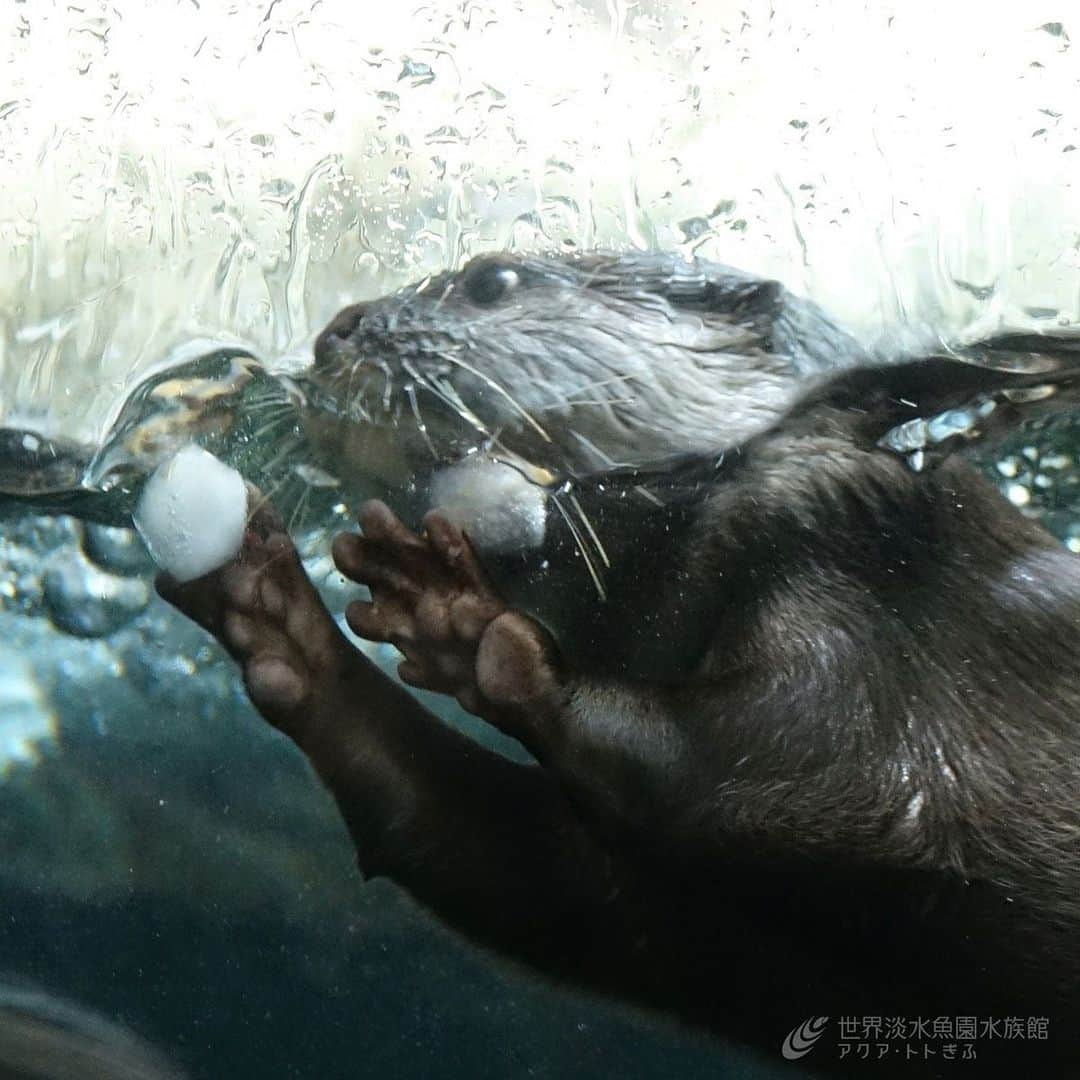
(501, 510)
(192, 513)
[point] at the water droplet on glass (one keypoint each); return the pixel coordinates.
(419, 73)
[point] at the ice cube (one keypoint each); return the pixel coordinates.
(192, 513)
(502, 510)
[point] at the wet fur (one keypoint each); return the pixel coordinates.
(888, 692)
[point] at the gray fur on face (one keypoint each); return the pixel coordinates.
(580, 363)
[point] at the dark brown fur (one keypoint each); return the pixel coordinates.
(861, 797)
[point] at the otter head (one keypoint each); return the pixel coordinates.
(574, 363)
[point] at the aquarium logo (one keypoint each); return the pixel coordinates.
(800, 1040)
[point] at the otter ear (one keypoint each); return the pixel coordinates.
(931, 406)
(693, 284)
(785, 325)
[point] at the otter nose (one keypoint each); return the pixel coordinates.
(340, 329)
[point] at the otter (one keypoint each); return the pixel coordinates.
(857, 794)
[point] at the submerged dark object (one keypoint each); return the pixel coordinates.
(218, 400)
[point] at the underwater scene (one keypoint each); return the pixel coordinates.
(611, 286)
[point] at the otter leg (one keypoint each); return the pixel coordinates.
(620, 752)
(491, 846)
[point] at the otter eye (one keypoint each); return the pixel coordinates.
(490, 283)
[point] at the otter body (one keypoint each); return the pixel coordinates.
(854, 792)
(858, 781)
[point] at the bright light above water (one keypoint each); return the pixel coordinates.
(236, 170)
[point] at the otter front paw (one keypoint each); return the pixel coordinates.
(264, 610)
(431, 599)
